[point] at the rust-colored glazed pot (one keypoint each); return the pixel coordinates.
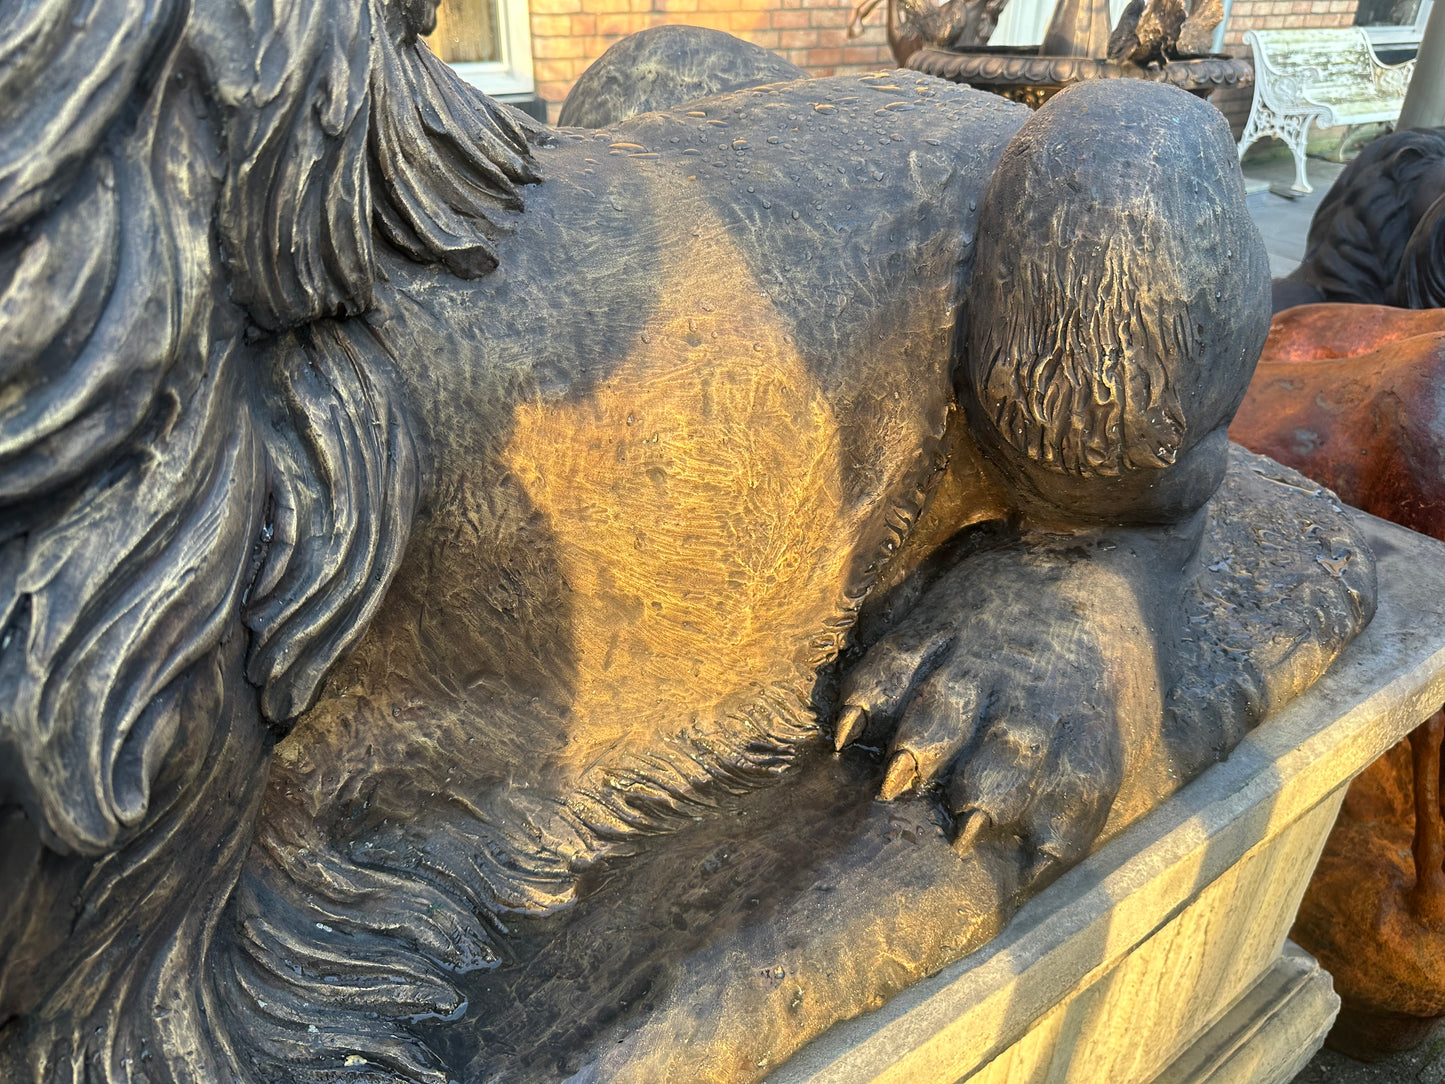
(1354, 396)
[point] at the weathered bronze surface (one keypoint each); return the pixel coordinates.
(1378, 236)
(668, 66)
(432, 545)
(1353, 395)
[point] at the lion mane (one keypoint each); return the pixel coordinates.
(1359, 234)
(207, 471)
(1420, 281)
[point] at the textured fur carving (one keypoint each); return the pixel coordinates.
(1360, 231)
(1074, 374)
(233, 261)
(167, 469)
(1420, 282)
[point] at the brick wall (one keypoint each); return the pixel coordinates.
(1272, 15)
(567, 35)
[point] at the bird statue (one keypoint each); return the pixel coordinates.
(954, 24)
(1196, 37)
(1124, 40)
(1146, 33)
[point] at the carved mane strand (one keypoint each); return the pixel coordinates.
(194, 441)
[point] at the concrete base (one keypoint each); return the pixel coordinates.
(1161, 958)
(1270, 1034)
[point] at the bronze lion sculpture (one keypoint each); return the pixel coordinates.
(409, 512)
(1374, 239)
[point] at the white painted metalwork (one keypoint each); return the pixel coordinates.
(1328, 77)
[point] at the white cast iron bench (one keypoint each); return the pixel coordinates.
(1330, 77)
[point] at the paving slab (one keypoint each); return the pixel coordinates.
(1423, 1065)
(1284, 222)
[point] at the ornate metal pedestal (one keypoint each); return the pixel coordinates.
(1077, 47)
(1021, 74)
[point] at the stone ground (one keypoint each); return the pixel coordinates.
(1423, 1065)
(1285, 223)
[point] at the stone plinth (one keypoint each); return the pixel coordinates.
(1163, 956)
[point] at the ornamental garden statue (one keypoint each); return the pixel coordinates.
(439, 555)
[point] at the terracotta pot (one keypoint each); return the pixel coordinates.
(1354, 396)
(1321, 332)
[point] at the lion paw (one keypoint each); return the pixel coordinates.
(998, 699)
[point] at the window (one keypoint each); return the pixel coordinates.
(488, 42)
(1393, 22)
